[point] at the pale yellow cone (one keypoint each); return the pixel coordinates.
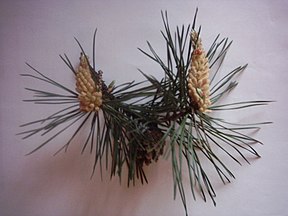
(90, 95)
(198, 76)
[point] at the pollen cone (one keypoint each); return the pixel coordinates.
(198, 76)
(90, 94)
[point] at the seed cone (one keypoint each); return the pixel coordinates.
(90, 94)
(198, 76)
(151, 147)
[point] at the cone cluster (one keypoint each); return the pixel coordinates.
(198, 76)
(90, 94)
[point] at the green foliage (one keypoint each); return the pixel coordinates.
(159, 107)
(193, 134)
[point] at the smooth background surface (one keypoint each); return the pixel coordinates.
(38, 31)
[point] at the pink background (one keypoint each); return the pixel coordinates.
(38, 31)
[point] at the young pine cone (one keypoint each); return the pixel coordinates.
(151, 147)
